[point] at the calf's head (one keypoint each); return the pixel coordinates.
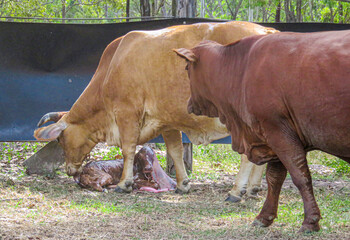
(73, 138)
(144, 161)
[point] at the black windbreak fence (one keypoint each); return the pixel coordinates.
(45, 67)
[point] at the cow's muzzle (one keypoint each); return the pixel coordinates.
(72, 170)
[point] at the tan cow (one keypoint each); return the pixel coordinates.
(140, 90)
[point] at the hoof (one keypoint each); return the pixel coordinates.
(309, 228)
(233, 199)
(258, 223)
(184, 187)
(263, 222)
(120, 190)
(254, 191)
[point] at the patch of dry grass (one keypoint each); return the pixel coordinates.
(34, 207)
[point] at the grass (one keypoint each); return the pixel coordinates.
(34, 206)
(341, 168)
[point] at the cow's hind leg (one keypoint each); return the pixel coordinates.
(291, 153)
(174, 146)
(241, 181)
(254, 184)
(275, 176)
(301, 177)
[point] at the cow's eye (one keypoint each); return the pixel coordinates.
(186, 68)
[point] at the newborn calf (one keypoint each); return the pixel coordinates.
(148, 174)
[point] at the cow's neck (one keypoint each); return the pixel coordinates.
(227, 77)
(233, 61)
(89, 112)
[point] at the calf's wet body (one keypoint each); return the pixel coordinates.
(148, 174)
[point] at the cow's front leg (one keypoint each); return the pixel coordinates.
(275, 176)
(241, 181)
(173, 141)
(129, 135)
(127, 179)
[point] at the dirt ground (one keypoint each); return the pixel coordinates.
(36, 207)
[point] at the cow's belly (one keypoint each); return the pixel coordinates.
(200, 132)
(334, 142)
(328, 133)
(198, 137)
(151, 129)
(204, 132)
(208, 134)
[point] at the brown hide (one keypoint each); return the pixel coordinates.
(280, 96)
(147, 173)
(140, 90)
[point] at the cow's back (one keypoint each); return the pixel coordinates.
(146, 73)
(306, 79)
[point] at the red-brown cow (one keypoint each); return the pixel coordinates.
(280, 96)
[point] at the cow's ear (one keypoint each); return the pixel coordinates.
(50, 132)
(186, 53)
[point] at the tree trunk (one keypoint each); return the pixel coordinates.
(288, 7)
(278, 13)
(174, 8)
(311, 7)
(187, 8)
(106, 10)
(341, 14)
(202, 8)
(145, 8)
(63, 11)
(332, 16)
(237, 9)
(153, 8)
(299, 16)
(127, 10)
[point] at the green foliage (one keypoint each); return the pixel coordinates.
(62, 9)
(218, 155)
(340, 167)
(257, 10)
(162, 160)
(17, 151)
(112, 153)
(212, 160)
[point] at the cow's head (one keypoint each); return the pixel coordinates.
(73, 138)
(199, 102)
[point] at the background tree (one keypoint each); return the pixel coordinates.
(335, 11)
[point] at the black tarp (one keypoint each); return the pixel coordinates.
(45, 67)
